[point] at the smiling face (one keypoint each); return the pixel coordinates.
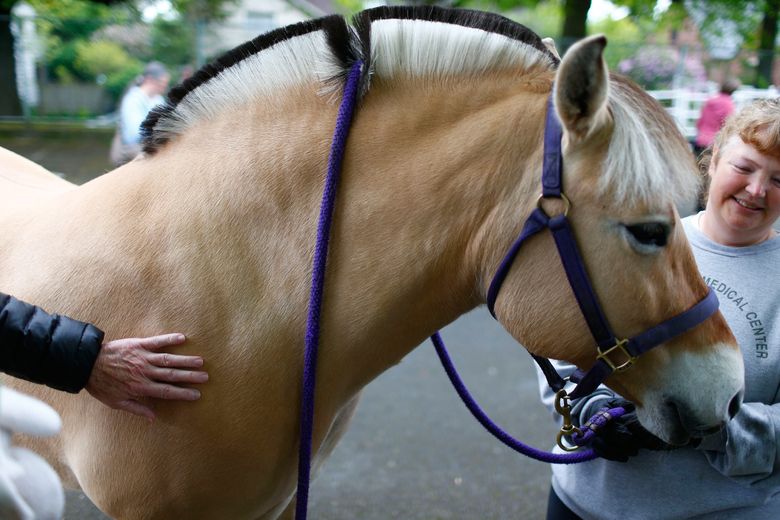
(744, 195)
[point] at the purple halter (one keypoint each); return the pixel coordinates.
(607, 344)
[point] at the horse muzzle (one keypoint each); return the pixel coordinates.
(688, 403)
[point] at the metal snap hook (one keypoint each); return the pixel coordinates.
(563, 408)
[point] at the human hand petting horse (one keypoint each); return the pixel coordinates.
(68, 354)
(129, 370)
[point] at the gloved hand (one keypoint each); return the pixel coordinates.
(29, 487)
(623, 437)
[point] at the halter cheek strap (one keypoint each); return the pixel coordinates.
(614, 354)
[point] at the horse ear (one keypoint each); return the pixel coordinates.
(581, 87)
(550, 44)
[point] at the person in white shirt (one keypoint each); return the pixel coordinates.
(136, 104)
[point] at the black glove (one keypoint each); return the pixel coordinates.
(623, 437)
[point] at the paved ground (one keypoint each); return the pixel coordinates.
(414, 451)
(81, 155)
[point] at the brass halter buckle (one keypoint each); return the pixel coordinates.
(619, 366)
(563, 408)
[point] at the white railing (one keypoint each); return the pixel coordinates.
(685, 105)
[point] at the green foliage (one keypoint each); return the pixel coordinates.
(623, 36)
(74, 19)
(545, 19)
(203, 9)
(67, 26)
(60, 59)
(107, 63)
(173, 42)
(90, 42)
(349, 7)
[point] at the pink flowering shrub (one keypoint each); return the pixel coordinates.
(655, 67)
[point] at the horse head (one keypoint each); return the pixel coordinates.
(626, 167)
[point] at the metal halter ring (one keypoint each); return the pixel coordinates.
(563, 197)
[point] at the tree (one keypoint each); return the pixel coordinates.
(743, 14)
(766, 47)
(575, 20)
(193, 10)
(10, 103)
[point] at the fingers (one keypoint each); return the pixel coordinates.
(164, 340)
(136, 408)
(169, 392)
(171, 375)
(175, 361)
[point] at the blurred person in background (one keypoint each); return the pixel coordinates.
(713, 115)
(136, 104)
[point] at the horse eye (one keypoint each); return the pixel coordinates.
(649, 233)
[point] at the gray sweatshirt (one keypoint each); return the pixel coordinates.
(732, 475)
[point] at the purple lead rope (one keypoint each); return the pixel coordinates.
(327, 206)
(493, 428)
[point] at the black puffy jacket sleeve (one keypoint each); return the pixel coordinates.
(46, 348)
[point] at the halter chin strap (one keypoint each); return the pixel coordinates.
(614, 354)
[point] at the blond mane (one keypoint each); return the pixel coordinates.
(434, 43)
(391, 41)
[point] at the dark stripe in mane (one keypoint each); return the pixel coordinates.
(346, 45)
(338, 37)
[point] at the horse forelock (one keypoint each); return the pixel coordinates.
(648, 160)
(391, 41)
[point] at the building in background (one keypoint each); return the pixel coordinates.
(251, 18)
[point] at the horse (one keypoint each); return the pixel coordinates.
(211, 232)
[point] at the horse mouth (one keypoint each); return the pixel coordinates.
(685, 427)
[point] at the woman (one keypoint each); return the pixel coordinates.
(734, 473)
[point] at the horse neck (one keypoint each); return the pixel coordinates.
(428, 182)
(430, 176)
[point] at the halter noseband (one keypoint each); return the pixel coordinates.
(614, 354)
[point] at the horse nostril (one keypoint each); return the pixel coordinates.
(735, 404)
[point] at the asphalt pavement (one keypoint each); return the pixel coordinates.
(414, 451)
